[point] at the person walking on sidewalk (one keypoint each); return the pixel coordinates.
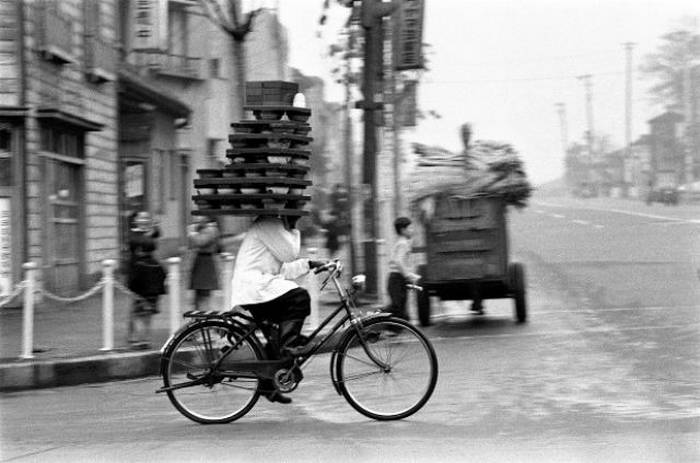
(400, 268)
(266, 265)
(204, 278)
(146, 279)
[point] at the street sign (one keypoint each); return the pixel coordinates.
(408, 35)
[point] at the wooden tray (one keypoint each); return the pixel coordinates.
(263, 137)
(245, 152)
(251, 212)
(250, 182)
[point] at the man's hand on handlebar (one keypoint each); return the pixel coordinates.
(314, 264)
(321, 266)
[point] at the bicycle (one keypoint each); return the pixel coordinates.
(383, 366)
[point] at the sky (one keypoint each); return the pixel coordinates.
(502, 65)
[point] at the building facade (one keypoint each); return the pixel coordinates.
(106, 108)
(58, 116)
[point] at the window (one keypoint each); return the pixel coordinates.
(91, 9)
(5, 156)
(62, 141)
(215, 68)
(177, 30)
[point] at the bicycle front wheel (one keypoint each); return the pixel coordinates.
(216, 396)
(389, 371)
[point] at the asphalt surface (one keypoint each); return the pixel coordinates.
(607, 369)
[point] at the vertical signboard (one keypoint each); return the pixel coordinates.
(5, 246)
(407, 104)
(408, 35)
(150, 24)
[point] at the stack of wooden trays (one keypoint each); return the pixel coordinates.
(268, 164)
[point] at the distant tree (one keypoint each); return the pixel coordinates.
(678, 49)
(227, 15)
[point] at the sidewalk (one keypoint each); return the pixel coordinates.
(68, 338)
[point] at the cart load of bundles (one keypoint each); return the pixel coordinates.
(268, 162)
(484, 169)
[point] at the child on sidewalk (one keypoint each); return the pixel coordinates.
(400, 269)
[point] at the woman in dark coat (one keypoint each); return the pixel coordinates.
(204, 240)
(146, 278)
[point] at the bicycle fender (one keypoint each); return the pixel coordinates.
(334, 368)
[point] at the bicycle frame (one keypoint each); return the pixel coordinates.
(267, 368)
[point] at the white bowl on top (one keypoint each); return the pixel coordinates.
(278, 159)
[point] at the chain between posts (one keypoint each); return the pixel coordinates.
(120, 286)
(91, 292)
(17, 291)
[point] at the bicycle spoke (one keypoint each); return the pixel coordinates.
(216, 395)
(361, 375)
(402, 384)
(366, 362)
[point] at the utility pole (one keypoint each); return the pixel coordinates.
(563, 129)
(586, 79)
(688, 119)
(629, 46)
(372, 13)
(348, 152)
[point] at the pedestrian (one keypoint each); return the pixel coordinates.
(263, 283)
(204, 277)
(400, 268)
(146, 279)
(333, 232)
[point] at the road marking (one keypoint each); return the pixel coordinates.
(598, 226)
(558, 216)
(621, 211)
(539, 211)
(581, 222)
(601, 330)
(621, 309)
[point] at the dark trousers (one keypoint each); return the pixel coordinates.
(287, 312)
(396, 286)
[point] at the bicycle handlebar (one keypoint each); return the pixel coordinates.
(332, 265)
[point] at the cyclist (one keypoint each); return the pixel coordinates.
(266, 265)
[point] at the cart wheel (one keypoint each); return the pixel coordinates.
(517, 281)
(423, 301)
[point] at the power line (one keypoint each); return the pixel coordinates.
(524, 79)
(535, 59)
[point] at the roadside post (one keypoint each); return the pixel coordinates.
(174, 292)
(108, 304)
(28, 311)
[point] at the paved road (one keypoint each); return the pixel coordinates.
(606, 370)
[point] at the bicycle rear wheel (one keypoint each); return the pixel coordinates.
(220, 398)
(390, 375)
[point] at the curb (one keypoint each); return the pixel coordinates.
(70, 372)
(38, 374)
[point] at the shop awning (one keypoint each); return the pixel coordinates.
(60, 116)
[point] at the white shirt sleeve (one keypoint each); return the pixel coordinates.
(285, 245)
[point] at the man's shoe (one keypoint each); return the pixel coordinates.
(277, 396)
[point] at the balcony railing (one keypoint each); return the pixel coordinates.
(168, 64)
(56, 34)
(100, 59)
